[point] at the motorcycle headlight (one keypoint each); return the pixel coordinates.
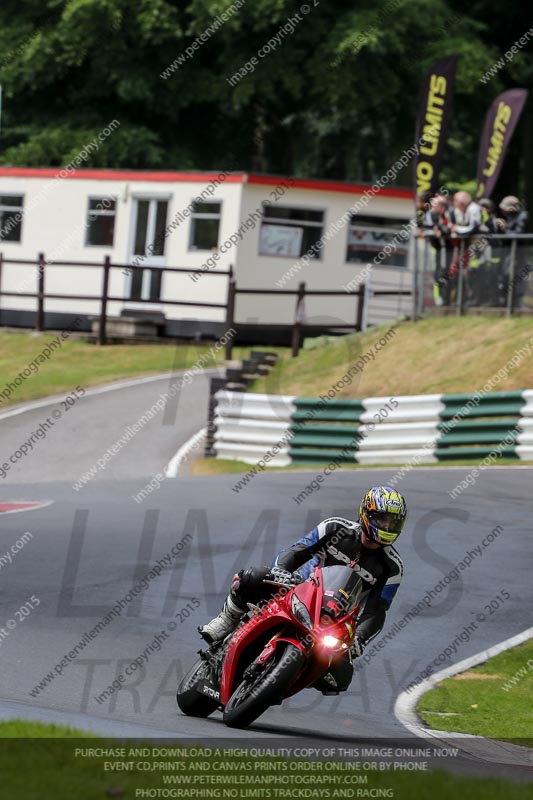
(301, 613)
(331, 642)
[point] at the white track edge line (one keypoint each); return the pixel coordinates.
(178, 459)
(108, 387)
(405, 705)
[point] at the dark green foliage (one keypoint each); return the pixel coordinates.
(336, 98)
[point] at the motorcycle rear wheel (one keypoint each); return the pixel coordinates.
(190, 701)
(251, 699)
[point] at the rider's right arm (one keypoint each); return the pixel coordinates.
(301, 551)
(307, 548)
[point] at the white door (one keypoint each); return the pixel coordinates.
(148, 244)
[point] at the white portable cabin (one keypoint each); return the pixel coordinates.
(259, 225)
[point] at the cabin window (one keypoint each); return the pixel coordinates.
(291, 232)
(205, 225)
(11, 213)
(101, 216)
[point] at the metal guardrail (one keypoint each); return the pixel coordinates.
(482, 270)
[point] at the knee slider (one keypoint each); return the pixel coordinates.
(236, 581)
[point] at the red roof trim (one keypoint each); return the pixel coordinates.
(117, 175)
(198, 177)
(331, 186)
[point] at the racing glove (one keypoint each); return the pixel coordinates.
(357, 648)
(284, 577)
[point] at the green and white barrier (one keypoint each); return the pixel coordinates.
(375, 430)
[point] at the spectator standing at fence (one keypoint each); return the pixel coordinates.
(484, 276)
(515, 217)
(466, 221)
(438, 228)
(515, 220)
(489, 219)
(423, 210)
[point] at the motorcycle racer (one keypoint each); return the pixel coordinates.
(365, 546)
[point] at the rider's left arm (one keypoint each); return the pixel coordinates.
(377, 604)
(372, 619)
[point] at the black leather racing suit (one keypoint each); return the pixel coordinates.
(334, 541)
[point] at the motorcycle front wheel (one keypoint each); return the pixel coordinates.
(251, 698)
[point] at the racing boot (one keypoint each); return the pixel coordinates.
(223, 624)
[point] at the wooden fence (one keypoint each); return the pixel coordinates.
(232, 291)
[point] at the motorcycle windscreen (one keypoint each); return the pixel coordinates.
(342, 590)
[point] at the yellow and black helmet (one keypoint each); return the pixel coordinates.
(382, 514)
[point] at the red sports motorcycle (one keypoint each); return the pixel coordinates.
(284, 645)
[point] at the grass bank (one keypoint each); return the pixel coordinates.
(47, 767)
(439, 355)
(222, 466)
(446, 355)
(491, 700)
(81, 363)
(24, 729)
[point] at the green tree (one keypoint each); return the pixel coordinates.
(336, 97)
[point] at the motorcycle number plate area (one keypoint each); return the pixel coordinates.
(204, 688)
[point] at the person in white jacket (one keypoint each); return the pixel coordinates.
(466, 221)
(467, 214)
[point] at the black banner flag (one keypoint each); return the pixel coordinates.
(433, 119)
(500, 122)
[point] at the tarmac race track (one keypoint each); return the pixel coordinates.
(90, 547)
